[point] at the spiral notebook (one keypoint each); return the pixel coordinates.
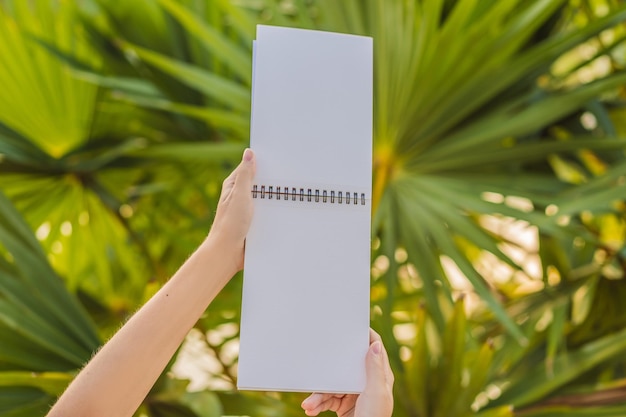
(305, 307)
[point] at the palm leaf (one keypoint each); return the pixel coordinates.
(43, 327)
(33, 78)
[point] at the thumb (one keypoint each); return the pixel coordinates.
(374, 367)
(245, 171)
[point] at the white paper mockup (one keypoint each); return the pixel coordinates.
(305, 307)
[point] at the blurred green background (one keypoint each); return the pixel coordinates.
(499, 220)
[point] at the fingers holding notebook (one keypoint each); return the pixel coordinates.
(376, 400)
(384, 366)
(234, 210)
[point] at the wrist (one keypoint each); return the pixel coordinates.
(223, 251)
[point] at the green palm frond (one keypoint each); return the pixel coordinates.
(89, 187)
(31, 78)
(43, 327)
(445, 110)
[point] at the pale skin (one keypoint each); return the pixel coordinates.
(120, 375)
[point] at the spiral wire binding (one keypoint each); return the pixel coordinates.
(310, 195)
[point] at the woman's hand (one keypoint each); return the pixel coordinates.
(376, 400)
(234, 210)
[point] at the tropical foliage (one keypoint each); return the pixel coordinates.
(499, 174)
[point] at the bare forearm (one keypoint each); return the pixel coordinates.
(119, 377)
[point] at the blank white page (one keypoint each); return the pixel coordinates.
(305, 307)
